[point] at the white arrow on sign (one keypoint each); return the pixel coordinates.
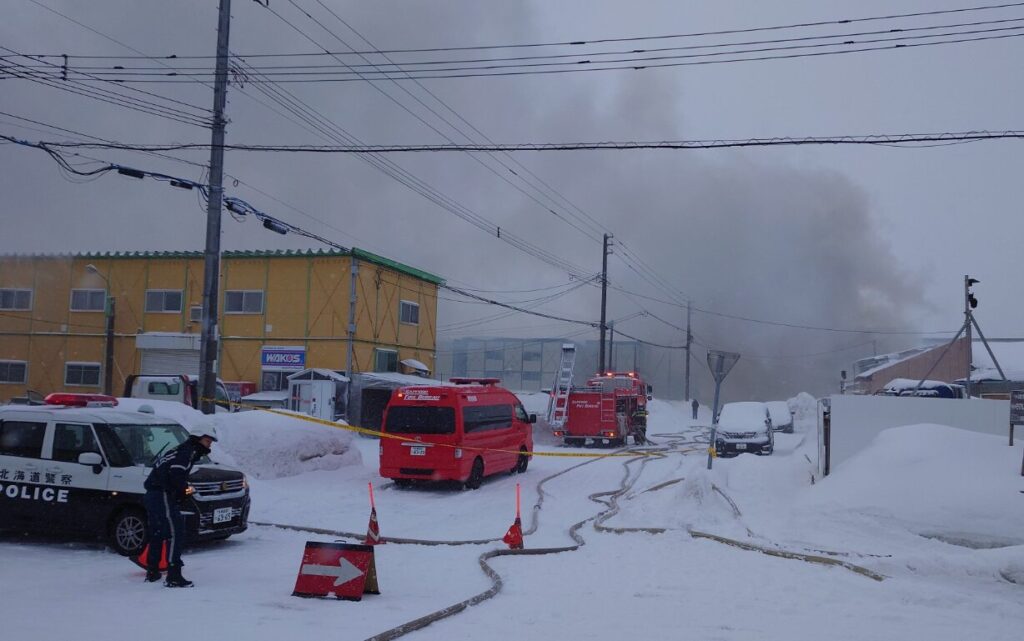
(343, 572)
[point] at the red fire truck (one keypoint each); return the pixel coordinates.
(608, 409)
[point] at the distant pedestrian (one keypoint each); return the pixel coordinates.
(695, 405)
(165, 492)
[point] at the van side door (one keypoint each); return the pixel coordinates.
(78, 491)
(21, 453)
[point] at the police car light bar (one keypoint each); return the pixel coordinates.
(80, 400)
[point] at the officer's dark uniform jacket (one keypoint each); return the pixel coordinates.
(171, 470)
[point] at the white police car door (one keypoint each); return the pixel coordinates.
(82, 501)
(21, 451)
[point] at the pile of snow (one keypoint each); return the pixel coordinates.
(934, 480)
(804, 407)
(262, 444)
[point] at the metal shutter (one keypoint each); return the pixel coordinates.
(170, 361)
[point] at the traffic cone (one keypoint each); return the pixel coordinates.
(141, 559)
(514, 537)
(372, 538)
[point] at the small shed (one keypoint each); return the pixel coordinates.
(371, 392)
(320, 393)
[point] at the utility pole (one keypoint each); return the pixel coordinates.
(611, 345)
(108, 359)
(215, 194)
(604, 301)
(689, 341)
(967, 326)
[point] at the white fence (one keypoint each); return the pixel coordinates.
(856, 420)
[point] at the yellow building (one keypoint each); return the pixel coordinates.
(280, 311)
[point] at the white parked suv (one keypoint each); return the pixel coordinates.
(744, 427)
(782, 418)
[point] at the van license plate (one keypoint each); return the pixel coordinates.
(222, 515)
(418, 450)
(741, 446)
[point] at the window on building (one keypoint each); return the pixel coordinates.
(82, 374)
(13, 371)
(70, 440)
(163, 300)
(409, 312)
(531, 356)
(243, 302)
(274, 381)
(16, 299)
(385, 360)
(531, 376)
(195, 313)
(21, 438)
(88, 300)
(495, 355)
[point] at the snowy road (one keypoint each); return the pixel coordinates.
(663, 586)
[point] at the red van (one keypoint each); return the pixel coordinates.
(461, 432)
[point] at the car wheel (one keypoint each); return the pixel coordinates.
(476, 475)
(403, 483)
(128, 532)
(522, 462)
(574, 442)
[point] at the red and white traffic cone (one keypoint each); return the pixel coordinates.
(514, 536)
(373, 531)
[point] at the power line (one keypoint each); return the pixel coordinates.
(592, 41)
(635, 64)
(906, 140)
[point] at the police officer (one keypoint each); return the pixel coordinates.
(165, 492)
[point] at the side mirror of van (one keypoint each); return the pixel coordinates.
(533, 418)
(93, 459)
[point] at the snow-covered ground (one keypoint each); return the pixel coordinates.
(937, 511)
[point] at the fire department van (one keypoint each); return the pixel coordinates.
(461, 432)
(80, 470)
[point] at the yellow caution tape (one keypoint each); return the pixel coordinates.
(371, 432)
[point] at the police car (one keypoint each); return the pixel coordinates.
(76, 467)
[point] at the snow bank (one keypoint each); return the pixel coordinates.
(804, 407)
(262, 444)
(936, 480)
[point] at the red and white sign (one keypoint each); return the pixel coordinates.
(333, 570)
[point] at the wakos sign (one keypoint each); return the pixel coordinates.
(278, 357)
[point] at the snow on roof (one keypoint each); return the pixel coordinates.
(280, 395)
(892, 359)
(401, 379)
(746, 414)
(779, 411)
(326, 373)
(900, 384)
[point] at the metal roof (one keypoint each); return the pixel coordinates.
(355, 252)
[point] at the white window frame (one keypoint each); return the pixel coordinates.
(8, 361)
(71, 300)
(164, 310)
(412, 304)
(99, 369)
(243, 292)
(14, 307)
(377, 351)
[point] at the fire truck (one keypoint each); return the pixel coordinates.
(609, 409)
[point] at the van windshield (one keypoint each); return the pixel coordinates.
(139, 444)
(403, 419)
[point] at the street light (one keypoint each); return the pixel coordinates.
(108, 309)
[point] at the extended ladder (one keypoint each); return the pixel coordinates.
(559, 403)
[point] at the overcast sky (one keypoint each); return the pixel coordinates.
(842, 237)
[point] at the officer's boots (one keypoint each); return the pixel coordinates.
(174, 578)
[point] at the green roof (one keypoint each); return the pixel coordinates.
(355, 252)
